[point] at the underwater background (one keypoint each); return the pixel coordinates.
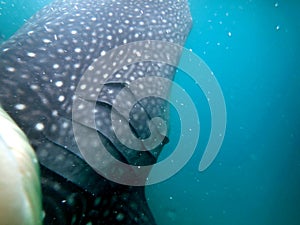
(253, 49)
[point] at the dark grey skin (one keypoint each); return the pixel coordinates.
(40, 67)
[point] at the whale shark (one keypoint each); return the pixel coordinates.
(40, 68)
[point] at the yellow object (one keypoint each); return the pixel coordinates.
(20, 189)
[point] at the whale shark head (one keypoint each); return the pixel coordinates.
(42, 64)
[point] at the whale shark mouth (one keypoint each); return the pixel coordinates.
(41, 66)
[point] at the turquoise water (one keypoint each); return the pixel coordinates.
(14, 13)
(253, 49)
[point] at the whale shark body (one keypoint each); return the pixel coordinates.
(40, 68)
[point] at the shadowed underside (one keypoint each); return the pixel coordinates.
(40, 68)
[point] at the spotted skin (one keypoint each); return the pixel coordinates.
(41, 65)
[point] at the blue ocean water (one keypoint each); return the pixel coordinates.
(252, 46)
(14, 13)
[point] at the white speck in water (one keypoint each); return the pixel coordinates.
(276, 4)
(277, 27)
(229, 34)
